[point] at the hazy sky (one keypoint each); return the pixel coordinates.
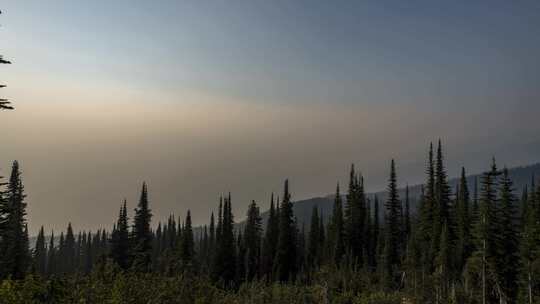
(199, 98)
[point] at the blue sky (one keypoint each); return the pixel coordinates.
(205, 97)
(288, 51)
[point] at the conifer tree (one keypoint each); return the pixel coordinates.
(89, 253)
(270, 241)
(322, 238)
(475, 207)
(187, 244)
(463, 222)
(225, 260)
(69, 250)
(314, 239)
(407, 216)
(392, 232)
(530, 253)
(51, 256)
(15, 261)
(4, 103)
(285, 262)
(211, 242)
(120, 239)
(219, 227)
(337, 230)
(485, 230)
(354, 216)
(141, 234)
(368, 232)
(241, 259)
(427, 216)
(443, 265)
(375, 232)
(300, 249)
(442, 201)
(508, 264)
(40, 253)
(252, 240)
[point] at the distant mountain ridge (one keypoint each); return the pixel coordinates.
(521, 176)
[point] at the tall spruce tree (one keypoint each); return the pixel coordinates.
(463, 223)
(443, 265)
(407, 216)
(120, 239)
(530, 251)
(69, 250)
(253, 241)
(508, 264)
(51, 256)
(314, 240)
(225, 260)
(188, 243)
(485, 235)
(442, 201)
(376, 231)
(354, 216)
(427, 216)
(392, 233)
(337, 230)
(141, 234)
(285, 262)
(270, 241)
(16, 259)
(40, 253)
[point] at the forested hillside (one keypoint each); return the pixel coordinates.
(521, 176)
(472, 240)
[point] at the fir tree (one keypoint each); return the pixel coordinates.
(392, 232)
(285, 262)
(225, 261)
(427, 216)
(252, 240)
(314, 239)
(120, 239)
(187, 244)
(442, 201)
(485, 230)
(40, 253)
(463, 222)
(51, 256)
(375, 232)
(211, 241)
(508, 264)
(270, 241)
(354, 216)
(443, 265)
(141, 234)
(16, 258)
(241, 259)
(337, 230)
(407, 215)
(69, 250)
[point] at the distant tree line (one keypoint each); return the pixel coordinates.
(459, 246)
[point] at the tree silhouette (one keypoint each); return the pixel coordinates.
(4, 103)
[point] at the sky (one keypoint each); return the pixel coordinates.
(199, 98)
